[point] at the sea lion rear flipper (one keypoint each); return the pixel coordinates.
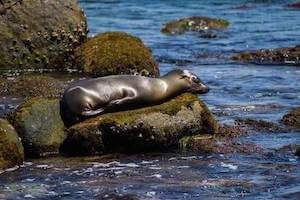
(92, 112)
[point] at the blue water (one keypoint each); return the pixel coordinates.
(237, 91)
(265, 24)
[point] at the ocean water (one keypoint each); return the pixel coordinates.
(237, 91)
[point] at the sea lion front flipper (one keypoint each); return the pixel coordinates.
(124, 101)
(92, 112)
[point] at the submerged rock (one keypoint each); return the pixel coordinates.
(11, 149)
(297, 153)
(282, 56)
(260, 125)
(292, 119)
(40, 34)
(39, 124)
(31, 86)
(294, 5)
(196, 24)
(116, 53)
(153, 128)
(217, 144)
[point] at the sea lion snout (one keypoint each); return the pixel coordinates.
(199, 88)
(203, 89)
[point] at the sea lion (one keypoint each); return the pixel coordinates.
(96, 95)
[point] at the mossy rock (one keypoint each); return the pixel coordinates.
(11, 149)
(152, 128)
(196, 24)
(40, 34)
(116, 53)
(40, 126)
(277, 56)
(32, 86)
(292, 119)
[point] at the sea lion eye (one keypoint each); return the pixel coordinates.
(183, 76)
(195, 79)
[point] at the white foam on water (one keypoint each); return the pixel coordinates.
(12, 169)
(155, 168)
(128, 165)
(159, 176)
(188, 157)
(230, 166)
(44, 166)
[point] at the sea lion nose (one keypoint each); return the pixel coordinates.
(206, 89)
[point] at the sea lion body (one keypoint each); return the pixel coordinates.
(93, 96)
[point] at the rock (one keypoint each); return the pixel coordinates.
(279, 56)
(216, 144)
(153, 128)
(11, 149)
(292, 119)
(197, 24)
(39, 124)
(297, 153)
(116, 196)
(294, 5)
(116, 53)
(31, 86)
(244, 6)
(40, 34)
(260, 125)
(289, 149)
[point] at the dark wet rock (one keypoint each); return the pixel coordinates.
(175, 61)
(292, 119)
(291, 148)
(11, 149)
(39, 124)
(282, 56)
(31, 86)
(244, 6)
(116, 53)
(153, 128)
(297, 153)
(196, 24)
(217, 144)
(294, 5)
(40, 34)
(230, 131)
(260, 125)
(209, 35)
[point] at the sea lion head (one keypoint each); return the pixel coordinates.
(189, 81)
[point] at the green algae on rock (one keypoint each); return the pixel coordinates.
(31, 86)
(116, 53)
(196, 24)
(39, 124)
(11, 149)
(292, 119)
(278, 56)
(40, 34)
(152, 128)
